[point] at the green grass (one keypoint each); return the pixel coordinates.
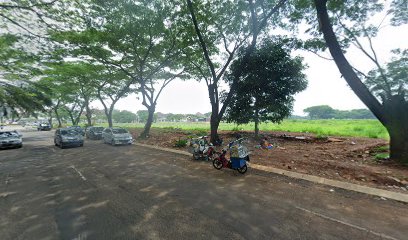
(382, 156)
(352, 128)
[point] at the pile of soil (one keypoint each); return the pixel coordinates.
(339, 158)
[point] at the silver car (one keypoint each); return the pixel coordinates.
(116, 136)
(9, 139)
(68, 137)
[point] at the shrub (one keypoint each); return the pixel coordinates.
(321, 137)
(382, 156)
(181, 143)
(383, 148)
(372, 134)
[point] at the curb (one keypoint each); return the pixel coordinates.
(401, 197)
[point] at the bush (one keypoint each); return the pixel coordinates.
(383, 148)
(181, 143)
(382, 156)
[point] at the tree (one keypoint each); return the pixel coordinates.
(113, 87)
(35, 16)
(124, 116)
(221, 28)
(16, 69)
(391, 108)
(142, 115)
(268, 81)
(141, 39)
(320, 112)
(27, 22)
(74, 86)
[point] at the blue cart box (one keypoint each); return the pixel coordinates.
(237, 162)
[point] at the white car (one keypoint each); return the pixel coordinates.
(117, 136)
(9, 139)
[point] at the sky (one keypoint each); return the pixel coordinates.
(326, 86)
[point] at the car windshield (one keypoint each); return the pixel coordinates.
(70, 132)
(97, 129)
(118, 130)
(8, 134)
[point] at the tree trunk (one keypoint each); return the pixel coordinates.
(109, 117)
(215, 138)
(398, 145)
(214, 124)
(397, 125)
(72, 118)
(50, 118)
(88, 113)
(256, 119)
(256, 127)
(58, 118)
(343, 65)
(78, 117)
(393, 114)
(146, 131)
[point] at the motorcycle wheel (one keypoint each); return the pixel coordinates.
(196, 156)
(243, 169)
(217, 164)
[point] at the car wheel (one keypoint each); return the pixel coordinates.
(20, 146)
(112, 142)
(61, 145)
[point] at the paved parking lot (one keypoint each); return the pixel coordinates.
(129, 192)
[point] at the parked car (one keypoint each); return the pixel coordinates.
(68, 137)
(116, 136)
(10, 139)
(78, 129)
(44, 126)
(94, 133)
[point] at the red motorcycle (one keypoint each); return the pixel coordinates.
(238, 164)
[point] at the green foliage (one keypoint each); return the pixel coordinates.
(320, 112)
(35, 17)
(201, 132)
(382, 156)
(392, 79)
(327, 112)
(124, 116)
(383, 148)
(181, 143)
(320, 127)
(142, 115)
(268, 81)
(320, 136)
(16, 91)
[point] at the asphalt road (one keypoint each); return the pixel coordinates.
(129, 192)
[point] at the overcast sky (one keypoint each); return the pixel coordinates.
(326, 87)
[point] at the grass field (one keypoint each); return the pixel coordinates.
(352, 128)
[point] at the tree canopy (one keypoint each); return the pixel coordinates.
(267, 84)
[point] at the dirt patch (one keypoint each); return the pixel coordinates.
(340, 158)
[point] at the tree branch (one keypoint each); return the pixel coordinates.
(201, 39)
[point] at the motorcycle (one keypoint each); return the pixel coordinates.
(239, 157)
(202, 149)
